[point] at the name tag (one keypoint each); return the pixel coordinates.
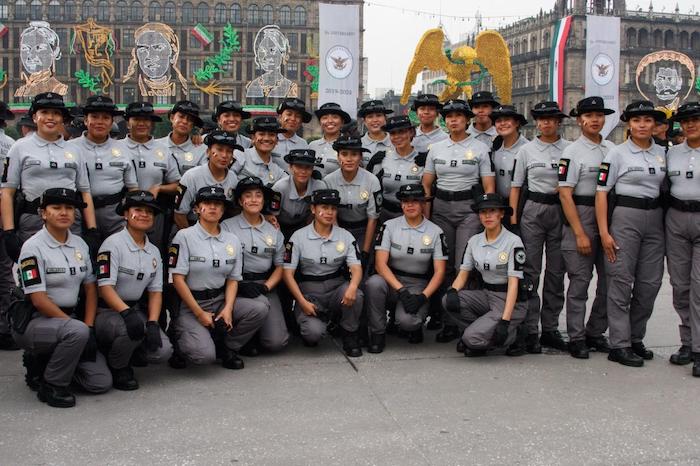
(411, 177)
(469, 162)
(636, 169)
(116, 164)
(197, 259)
(676, 173)
(126, 271)
(439, 162)
(55, 270)
(270, 250)
(160, 164)
(427, 251)
(396, 246)
(70, 165)
(230, 261)
(83, 268)
(538, 165)
(502, 267)
(29, 163)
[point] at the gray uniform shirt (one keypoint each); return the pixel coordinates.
(458, 165)
(262, 245)
(484, 136)
(128, 267)
(682, 167)
(325, 155)
(633, 171)
(538, 162)
(243, 141)
(423, 141)
(580, 164)
(360, 198)
(315, 255)
(503, 161)
(152, 163)
(56, 268)
(5, 145)
(496, 261)
(374, 147)
(186, 155)
(206, 261)
(109, 166)
(249, 163)
(411, 249)
(398, 171)
(295, 209)
(34, 164)
(198, 178)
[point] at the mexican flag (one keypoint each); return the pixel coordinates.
(556, 60)
(202, 35)
(3, 29)
(30, 274)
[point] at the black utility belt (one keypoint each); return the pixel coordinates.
(352, 225)
(207, 294)
(584, 200)
(685, 206)
(401, 273)
(32, 207)
(499, 288)
(643, 203)
(453, 195)
(542, 198)
(320, 278)
(252, 276)
(391, 206)
(107, 199)
(102, 304)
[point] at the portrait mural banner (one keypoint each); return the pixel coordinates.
(666, 78)
(39, 49)
(97, 46)
(272, 51)
(603, 64)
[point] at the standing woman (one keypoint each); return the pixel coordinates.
(580, 244)
(539, 220)
(373, 114)
(683, 235)
(633, 236)
(184, 117)
(263, 250)
(292, 115)
(229, 116)
(331, 118)
(508, 123)
(316, 261)
(259, 160)
(206, 263)
(54, 266)
(490, 316)
(410, 262)
(428, 131)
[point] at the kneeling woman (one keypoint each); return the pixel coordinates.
(490, 315)
(54, 266)
(128, 265)
(322, 251)
(206, 263)
(263, 250)
(410, 262)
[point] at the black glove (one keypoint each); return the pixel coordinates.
(92, 238)
(316, 175)
(134, 324)
(408, 300)
(90, 350)
(12, 243)
(153, 340)
(514, 228)
(451, 300)
(500, 335)
(251, 289)
(420, 299)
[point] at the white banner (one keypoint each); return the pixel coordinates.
(339, 55)
(603, 64)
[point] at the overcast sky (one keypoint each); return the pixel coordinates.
(391, 34)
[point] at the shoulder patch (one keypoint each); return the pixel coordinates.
(563, 169)
(603, 174)
(180, 194)
(380, 234)
(104, 263)
(29, 268)
(358, 256)
(519, 257)
(378, 199)
(173, 254)
(443, 244)
(512, 172)
(288, 248)
(5, 166)
(275, 202)
(419, 160)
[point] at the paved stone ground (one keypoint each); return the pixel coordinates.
(422, 404)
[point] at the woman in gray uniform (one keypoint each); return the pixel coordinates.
(683, 235)
(263, 250)
(508, 123)
(410, 262)
(54, 266)
(229, 116)
(316, 261)
(489, 316)
(331, 118)
(260, 160)
(373, 114)
(633, 236)
(206, 263)
(580, 243)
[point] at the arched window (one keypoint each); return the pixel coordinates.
(253, 14)
(631, 37)
(220, 12)
(103, 10)
(285, 15)
(695, 41)
(187, 13)
(658, 38)
(35, 10)
(236, 15)
(523, 46)
(136, 11)
(169, 15)
(69, 8)
(299, 18)
(533, 43)
(120, 11)
(545, 41)
(4, 9)
(21, 10)
(266, 17)
(669, 39)
(202, 13)
(643, 38)
(684, 39)
(55, 10)
(153, 11)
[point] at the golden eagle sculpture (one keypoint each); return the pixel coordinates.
(491, 57)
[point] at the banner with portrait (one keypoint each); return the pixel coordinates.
(666, 77)
(603, 65)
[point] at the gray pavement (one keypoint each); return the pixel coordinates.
(412, 404)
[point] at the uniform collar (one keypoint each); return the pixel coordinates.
(590, 144)
(542, 146)
(367, 140)
(92, 145)
(491, 131)
(255, 157)
(635, 149)
(464, 142)
(428, 134)
(131, 244)
(295, 138)
(499, 239)
(355, 181)
(522, 140)
(203, 234)
(131, 144)
(406, 226)
(41, 142)
(395, 155)
(53, 243)
(243, 223)
(313, 234)
(685, 148)
(183, 146)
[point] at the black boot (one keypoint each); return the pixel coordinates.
(518, 346)
(230, 360)
(599, 344)
(416, 336)
(35, 365)
(252, 348)
(474, 353)
(532, 344)
(626, 357)
(447, 334)
(553, 339)
(578, 349)
(682, 357)
(123, 379)
(435, 321)
(351, 344)
(177, 361)
(7, 343)
(642, 351)
(58, 397)
(696, 364)
(377, 341)
(391, 326)
(139, 357)
(461, 347)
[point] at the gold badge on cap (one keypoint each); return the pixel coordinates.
(69, 155)
(160, 155)
(229, 249)
(364, 195)
(268, 240)
(78, 255)
(503, 257)
(116, 153)
(427, 240)
(188, 156)
(340, 247)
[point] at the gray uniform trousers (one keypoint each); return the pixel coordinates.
(634, 279)
(459, 223)
(195, 341)
(6, 282)
(108, 221)
(328, 295)
(65, 340)
(110, 331)
(479, 313)
(380, 295)
(273, 333)
(683, 257)
(540, 228)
